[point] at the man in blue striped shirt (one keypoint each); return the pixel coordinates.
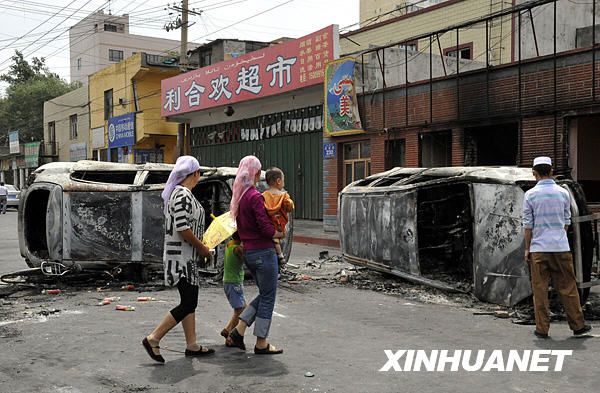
(546, 217)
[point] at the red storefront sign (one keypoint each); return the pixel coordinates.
(288, 66)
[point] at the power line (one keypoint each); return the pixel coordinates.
(36, 27)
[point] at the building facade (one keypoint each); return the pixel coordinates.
(125, 112)
(267, 103)
(468, 44)
(222, 50)
(478, 114)
(100, 40)
(67, 125)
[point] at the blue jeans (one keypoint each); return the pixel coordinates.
(263, 266)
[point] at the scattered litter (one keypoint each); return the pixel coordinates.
(344, 279)
(501, 314)
(291, 265)
(313, 264)
(48, 312)
(124, 308)
(483, 312)
(145, 299)
(308, 374)
(108, 300)
(51, 291)
(128, 287)
(324, 255)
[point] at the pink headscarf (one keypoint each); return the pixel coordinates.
(244, 179)
(184, 166)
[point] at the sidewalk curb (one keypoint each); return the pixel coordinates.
(333, 243)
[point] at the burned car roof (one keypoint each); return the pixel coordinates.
(455, 228)
(110, 176)
(399, 177)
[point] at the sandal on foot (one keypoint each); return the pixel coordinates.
(225, 333)
(268, 350)
(201, 352)
(235, 339)
(150, 349)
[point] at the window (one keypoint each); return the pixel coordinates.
(73, 126)
(79, 63)
(115, 177)
(435, 149)
(396, 153)
(357, 161)
(464, 51)
(108, 104)
(412, 45)
(110, 27)
(52, 132)
(115, 55)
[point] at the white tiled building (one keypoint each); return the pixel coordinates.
(100, 40)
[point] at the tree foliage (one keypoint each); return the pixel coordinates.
(29, 86)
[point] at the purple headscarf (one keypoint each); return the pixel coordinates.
(184, 166)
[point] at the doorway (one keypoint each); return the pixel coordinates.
(584, 139)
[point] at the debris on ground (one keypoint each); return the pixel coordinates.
(51, 291)
(145, 299)
(308, 374)
(124, 308)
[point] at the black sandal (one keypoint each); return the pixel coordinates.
(235, 339)
(149, 348)
(191, 354)
(267, 350)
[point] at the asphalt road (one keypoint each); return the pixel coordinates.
(66, 343)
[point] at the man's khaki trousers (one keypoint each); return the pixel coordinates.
(559, 267)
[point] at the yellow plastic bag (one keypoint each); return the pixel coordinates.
(219, 230)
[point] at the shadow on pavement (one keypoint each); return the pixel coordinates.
(232, 361)
(174, 371)
(574, 343)
(237, 363)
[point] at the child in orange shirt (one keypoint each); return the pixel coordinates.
(278, 204)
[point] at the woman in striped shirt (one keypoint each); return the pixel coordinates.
(184, 227)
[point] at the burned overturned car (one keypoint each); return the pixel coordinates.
(455, 227)
(101, 215)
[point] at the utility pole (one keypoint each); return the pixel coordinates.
(181, 131)
(183, 61)
(184, 36)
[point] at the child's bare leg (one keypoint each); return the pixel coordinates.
(278, 249)
(235, 318)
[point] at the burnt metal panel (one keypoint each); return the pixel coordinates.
(54, 224)
(153, 222)
(101, 226)
(500, 274)
(380, 228)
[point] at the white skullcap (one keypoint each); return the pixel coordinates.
(542, 161)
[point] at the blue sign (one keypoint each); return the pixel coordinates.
(329, 150)
(121, 130)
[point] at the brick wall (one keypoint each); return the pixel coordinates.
(480, 103)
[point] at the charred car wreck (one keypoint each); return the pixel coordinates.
(445, 226)
(101, 215)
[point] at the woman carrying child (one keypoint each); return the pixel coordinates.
(256, 233)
